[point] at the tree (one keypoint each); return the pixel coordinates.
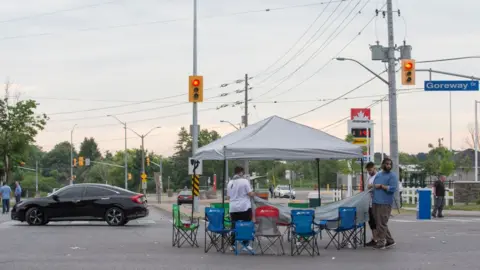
(439, 161)
(470, 139)
(19, 124)
(89, 149)
(57, 162)
(407, 159)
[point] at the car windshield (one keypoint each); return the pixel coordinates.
(185, 192)
(284, 187)
(58, 191)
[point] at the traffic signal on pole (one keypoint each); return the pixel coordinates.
(408, 72)
(80, 161)
(195, 88)
(74, 162)
(129, 176)
(148, 161)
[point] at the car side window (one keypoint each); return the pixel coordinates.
(73, 192)
(98, 192)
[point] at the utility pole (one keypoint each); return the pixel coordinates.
(36, 179)
(475, 140)
(245, 120)
(143, 163)
(71, 154)
(392, 95)
(195, 108)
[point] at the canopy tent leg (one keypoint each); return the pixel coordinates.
(318, 181)
(362, 186)
(225, 175)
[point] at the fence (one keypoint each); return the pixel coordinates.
(410, 196)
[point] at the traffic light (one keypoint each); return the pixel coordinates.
(129, 176)
(148, 161)
(408, 72)
(80, 161)
(195, 88)
(74, 162)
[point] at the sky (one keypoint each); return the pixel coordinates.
(84, 60)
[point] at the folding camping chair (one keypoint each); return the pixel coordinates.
(226, 206)
(184, 231)
(304, 235)
(267, 219)
(244, 232)
(345, 232)
(215, 229)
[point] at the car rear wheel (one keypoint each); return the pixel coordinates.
(35, 217)
(115, 217)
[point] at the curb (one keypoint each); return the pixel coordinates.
(457, 213)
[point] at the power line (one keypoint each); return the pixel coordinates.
(144, 101)
(162, 21)
(369, 106)
(298, 40)
(57, 11)
(324, 45)
(328, 62)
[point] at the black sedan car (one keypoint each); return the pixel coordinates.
(185, 197)
(83, 202)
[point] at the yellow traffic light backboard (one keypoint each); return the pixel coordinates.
(129, 176)
(74, 162)
(80, 161)
(195, 89)
(148, 161)
(408, 72)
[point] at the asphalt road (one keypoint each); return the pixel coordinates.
(445, 244)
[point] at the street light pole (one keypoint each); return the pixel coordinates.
(125, 156)
(71, 154)
(36, 179)
(143, 152)
(475, 139)
(228, 122)
(195, 107)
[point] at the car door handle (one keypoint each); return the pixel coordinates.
(106, 198)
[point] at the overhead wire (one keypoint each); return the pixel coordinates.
(324, 45)
(306, 45)
(329, 61)
(161, 21)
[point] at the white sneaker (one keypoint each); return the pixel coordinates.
(248, 248)
(232, 248)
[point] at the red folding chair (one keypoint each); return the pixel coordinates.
(266, 218)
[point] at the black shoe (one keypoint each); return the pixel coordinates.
(389, 245)
(372, 243)
(434, 216)
(440, 216)
(379, 246)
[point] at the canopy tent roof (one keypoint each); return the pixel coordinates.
(276, 138)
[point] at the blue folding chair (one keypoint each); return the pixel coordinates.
(345, 232)
(244, 233)
(215, 229)
(304, 235)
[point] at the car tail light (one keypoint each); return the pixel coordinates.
(138, 199)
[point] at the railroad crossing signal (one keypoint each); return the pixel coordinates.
(195, 89)
(144, 178)
(408, 72)
(196, 185)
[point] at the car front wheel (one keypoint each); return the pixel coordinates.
(115, 217)
(35, 217)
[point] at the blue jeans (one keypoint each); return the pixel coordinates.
(5, 205)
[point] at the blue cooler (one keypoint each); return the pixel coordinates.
(424, 204)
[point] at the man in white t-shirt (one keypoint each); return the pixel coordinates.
(240, 193)
(372, 172)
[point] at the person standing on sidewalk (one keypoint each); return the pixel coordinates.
(18, 192)
(240, 192)
(372, 172)
(384, 187)
(439, 195)
(5, 190)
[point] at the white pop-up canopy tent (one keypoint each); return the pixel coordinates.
(276, 138)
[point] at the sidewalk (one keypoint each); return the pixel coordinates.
(453, 213)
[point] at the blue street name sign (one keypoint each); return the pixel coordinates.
(451, 86)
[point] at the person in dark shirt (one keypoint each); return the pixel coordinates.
(439, 196)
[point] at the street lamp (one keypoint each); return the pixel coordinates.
(71, 154)
(365, 67)
(143, 150)
(126, 150)
(228, 122)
